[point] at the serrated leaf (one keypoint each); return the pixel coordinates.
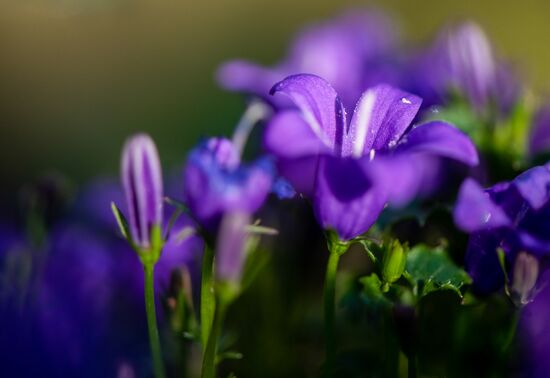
(431, 269)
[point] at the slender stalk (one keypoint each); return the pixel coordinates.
(154, 339)
(330, 302)
(208, 298)
(411, 365)
(209, 357)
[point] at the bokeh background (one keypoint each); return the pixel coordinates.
(78, 76)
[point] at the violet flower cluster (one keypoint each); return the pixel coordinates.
(376, 142)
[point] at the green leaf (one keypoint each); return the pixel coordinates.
(372, 291)
(122, 222)
(229, 355)
(431, 269)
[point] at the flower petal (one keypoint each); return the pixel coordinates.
(475, 210)
(440, 138)
(534, 186)
(345, 198)
(482, 262)
(288, 135)
(381, 116)
(319, 103)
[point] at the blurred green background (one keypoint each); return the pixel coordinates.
(78, 76)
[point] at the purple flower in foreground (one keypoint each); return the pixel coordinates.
(142, 181)
(216, 182)
(462, 59)
(511, 216)
(347, 52)
(352, 170)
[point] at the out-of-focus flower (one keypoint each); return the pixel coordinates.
(462, 61)
(511, 216)
(215, 182)
(352, 52)
(230, 250)
(352, 170)
(539, 140)
(142, 181)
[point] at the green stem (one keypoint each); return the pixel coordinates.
(209, 357)
(330, 302)
(154, 339)
(208, 299)
(411, 364)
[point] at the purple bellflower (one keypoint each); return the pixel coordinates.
(352, 170)
(142, 182)
(347, 52)
(215, 182)
(462, 59)
(513, 217)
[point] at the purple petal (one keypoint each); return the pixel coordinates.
(230, 249)
(482, 262)
(250, 78)
(300, 172)
(440, 138)
(345, 198)
(539, 140)
(288, 135)
(381, 116)
(534, 186)
(320, 106)
(213, 187)
(405, 177)
(475, 210)
(142, 182)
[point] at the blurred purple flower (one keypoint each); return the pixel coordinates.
(348, 52)
(230, 249)
(539, 141)
(352, 170)
(142, 181)
(216, 182)
(462, 59)
(512, 216)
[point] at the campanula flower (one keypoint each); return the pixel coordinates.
(351, 170)
(348, 52)
(142, 182)
(462, 60)
(513, 217)
(215, 182)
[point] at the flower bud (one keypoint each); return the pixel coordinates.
(231, 247)
(526, 272)
(393, 262)
(142, 182)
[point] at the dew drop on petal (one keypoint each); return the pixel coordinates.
(486, 217)
(372, 153)
(405, 100)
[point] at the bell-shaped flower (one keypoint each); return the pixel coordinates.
(512, 217)
(352, 52)
(142, 182)
(463, 60)
(215, 182)
(351, 170)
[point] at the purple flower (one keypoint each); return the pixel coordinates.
(539, 141)
(230, 249)
(462, 59)
(511, 216)
(347, 52)
(216, 182)
(352, 170)
(142, 181)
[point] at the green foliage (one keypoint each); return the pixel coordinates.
(431, 269)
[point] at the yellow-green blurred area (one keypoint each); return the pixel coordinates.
(78, 76)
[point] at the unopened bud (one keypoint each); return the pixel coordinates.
(393, 262)
(526, 272)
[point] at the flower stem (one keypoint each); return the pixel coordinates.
(209, 358)
(208, 298)
(154, 339)
(330, 301)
